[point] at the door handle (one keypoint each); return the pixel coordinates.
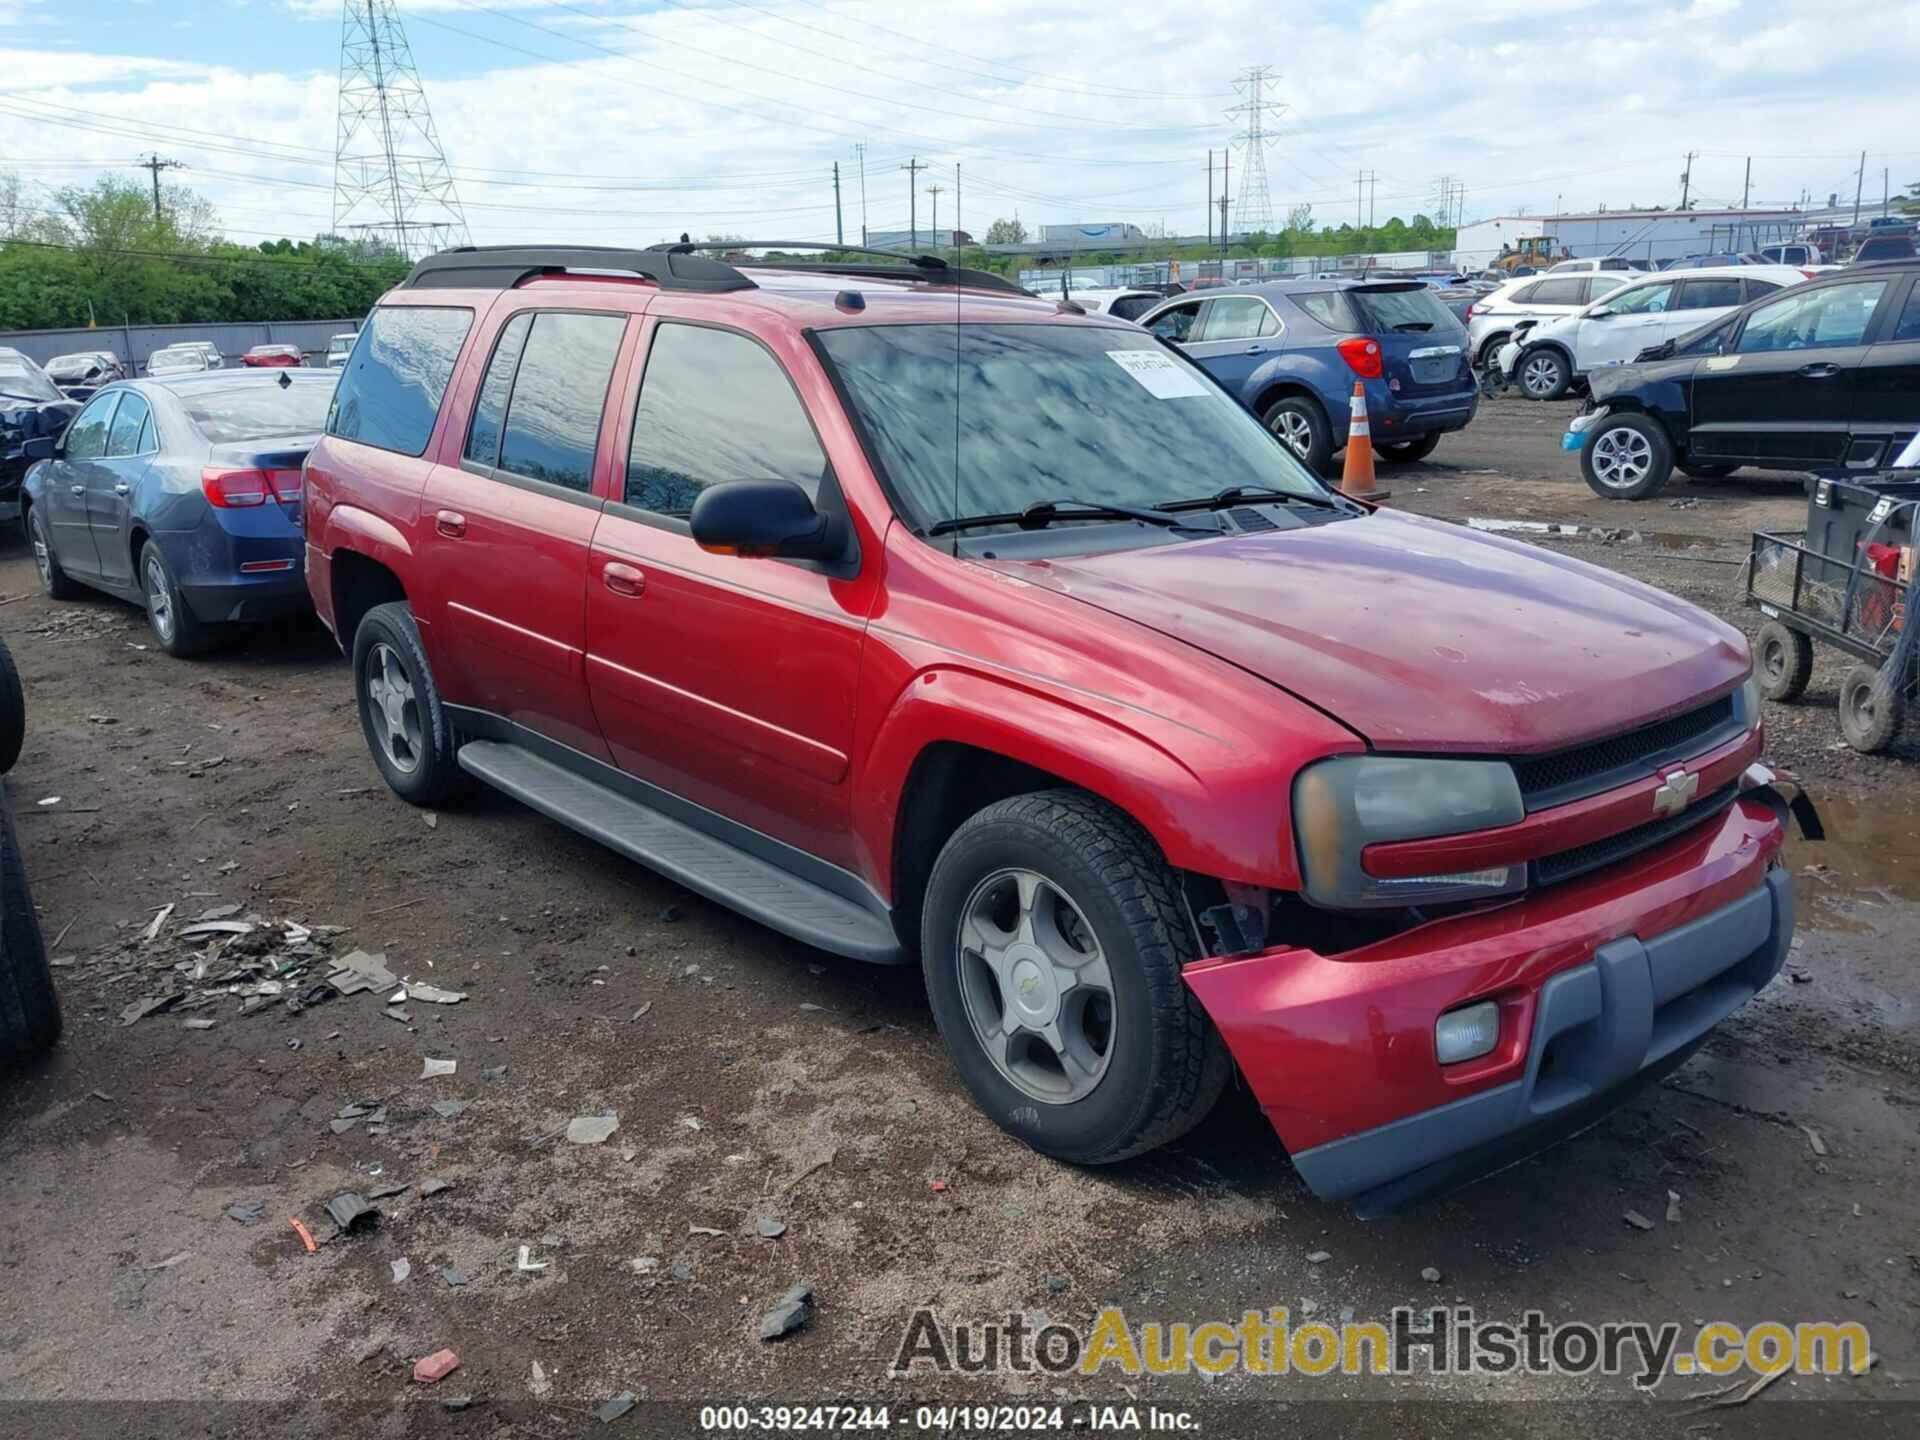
(76, 489)
(1820, 370)
(1256, 349)
(623, 579)
(121, 488)
(450, 523)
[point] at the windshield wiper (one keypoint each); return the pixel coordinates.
(1420, 325)
(1042, 513)
(1235, 494)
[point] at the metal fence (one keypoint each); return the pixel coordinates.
(133, 343)
(1161, 272)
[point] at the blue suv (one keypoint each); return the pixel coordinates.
(1291, 351)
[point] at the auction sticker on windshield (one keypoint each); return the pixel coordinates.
(1157, 373)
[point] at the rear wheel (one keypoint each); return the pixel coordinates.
(55, 581)
(1782, 661)
(1627, 458)
(1405, 452)
(1544, 374)
(29, 1009)
(1871, 710)
(401, 712)
(1302, 427)
(1052, 942)
(180, 632)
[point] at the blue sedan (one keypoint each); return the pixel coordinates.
(181, 495)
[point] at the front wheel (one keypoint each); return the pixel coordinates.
(1544, 374)
(1405, 452)
(54, 580)
(1052, 943)
(1628, 458)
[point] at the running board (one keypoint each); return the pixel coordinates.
(724, 873)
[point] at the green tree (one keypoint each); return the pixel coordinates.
(1007, 232)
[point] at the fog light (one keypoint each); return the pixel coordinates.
(1466, 1033)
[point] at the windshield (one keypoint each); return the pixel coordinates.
(26, 382)
(256, 412)
(72, 364)
(162, 361)
(1103, 415)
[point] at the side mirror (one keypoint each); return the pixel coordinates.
(1599, 312)
(40, 447)
(761, 518)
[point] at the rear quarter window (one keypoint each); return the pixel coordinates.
(390, 391)
(1329, 308)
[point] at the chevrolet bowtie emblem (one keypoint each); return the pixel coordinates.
(1676, 792)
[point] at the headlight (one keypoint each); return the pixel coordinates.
(1746, 703)
(1342, 805)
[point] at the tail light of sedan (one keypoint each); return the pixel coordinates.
(238, 489)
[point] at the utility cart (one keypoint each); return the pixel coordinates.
(1847, 580)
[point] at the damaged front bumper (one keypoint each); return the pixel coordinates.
(1603, 985)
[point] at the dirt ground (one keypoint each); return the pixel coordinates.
(755, 1079)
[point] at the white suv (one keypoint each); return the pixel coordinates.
(1615, 263)
(1546, 359)
(1492, 318)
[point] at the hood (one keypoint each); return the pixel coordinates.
(1422, 636)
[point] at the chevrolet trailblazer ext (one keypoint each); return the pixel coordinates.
(918, 618)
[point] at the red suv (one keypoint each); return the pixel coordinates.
(921, 619)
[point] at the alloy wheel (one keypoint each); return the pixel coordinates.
(42, 555)
(1540, 375)
(159, 599)
(1292, 427)
(395, 709)
(1036, 986)
(1622, 458)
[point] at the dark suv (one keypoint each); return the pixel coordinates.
(1292, 350)
(1822, 376)
(924, 620)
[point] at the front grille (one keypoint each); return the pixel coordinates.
(1552, 869)
(1588, 769)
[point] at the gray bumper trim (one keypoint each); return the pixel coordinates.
(1600, 1030)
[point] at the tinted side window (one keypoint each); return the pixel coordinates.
(148, 440)
(128, 420)
(1132, 307)
(1524, 295)
(1907, 327)
(1176, 324)
(1708, 295)
(1237, 319)
(715, 406)
(559, 392)
(1565, 291)
(1643, 299)
(391, 388)
(1831, 315)
(490, 411)
(87, 436)
(1757, 288)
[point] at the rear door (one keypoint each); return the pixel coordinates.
(111, 484)
(506, 528)
(729, 682)
(1235, 336)
(1784, 392)
(1886, 405)
(79, 467)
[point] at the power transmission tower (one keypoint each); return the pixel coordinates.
(154, 163)
(1256, 205)
(1446, 193)
(913, 168)
(390, 173)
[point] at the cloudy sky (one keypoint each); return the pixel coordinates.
(617, 121)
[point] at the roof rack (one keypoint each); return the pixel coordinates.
(501, 267)
(929, 268)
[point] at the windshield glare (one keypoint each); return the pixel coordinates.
(259, 412)
(1103, 415)
(25, 383)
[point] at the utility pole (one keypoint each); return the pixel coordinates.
(861, 152)
(154, 163)
(959, 253)
(1686, 179)
(1209, 199)
(1226, 172)
(1746, 190)
(1859, 181)
(913, 168)
(839, 227)
(1886, 196)
(934, 190)
(1373, 195)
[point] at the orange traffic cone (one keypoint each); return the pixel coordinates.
(1356, 480)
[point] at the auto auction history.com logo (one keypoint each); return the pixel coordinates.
(1441, 1340)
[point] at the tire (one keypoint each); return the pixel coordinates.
(1299, 423)
(1406, 452)
(1782, 662)
(1162, 1066)
(1706, 472)
(1543, 374)
(1628, 457)
(13, 711)
(1871, 711)
(56, 582)
(401, 712)
(180, 632)
(29, 1009)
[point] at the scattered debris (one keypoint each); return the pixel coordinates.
(430, 820)
(360, 972)
(431, 1369)
(706, 1230)
(449, 1109)
(201, 929)
(402, 1268)
(790, 1313)
(306, 1235)
(592, 1129)
(645, 1264)
(55, 800)
(248, 1212)
(768, 1228)
(644, 1008)
(1814, 1142)
(217, 912)
(199, 1022)
(431, 995)
(538, 1382)
(394, 1012)
(616, 1407)
(434, 1067)
(152, 932)
(352, 1213)
(1430, 1275)
(1059, 1284)
(527, 1262)
(939, 1187)
(431, 1188)
(1319, 1257)
(1673, 1207)
(453, 1276)
(1637, 1220)
(1521, 527)
(457, 1402)
(169, 1262)
(147, 1005)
